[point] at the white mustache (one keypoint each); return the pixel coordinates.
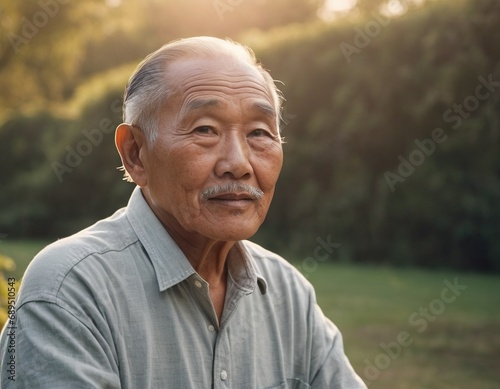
(232, 187)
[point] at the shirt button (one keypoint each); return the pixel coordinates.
(211, 328)
(197, 284)
(223, 375)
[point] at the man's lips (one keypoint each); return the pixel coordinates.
(233, 197)
(233, 201)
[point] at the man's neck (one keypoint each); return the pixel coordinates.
(210, 260)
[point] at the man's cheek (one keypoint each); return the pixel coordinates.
(190, 203)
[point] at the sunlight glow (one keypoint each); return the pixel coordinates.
(339, 5)
(113, 3)
(334, 8)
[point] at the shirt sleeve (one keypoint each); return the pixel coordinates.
(53, 349)
(331, 367)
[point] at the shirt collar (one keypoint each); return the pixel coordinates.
(244, 271)
(170, 264)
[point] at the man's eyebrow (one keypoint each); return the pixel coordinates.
(262, 107)
(201, 103)
(265, 108)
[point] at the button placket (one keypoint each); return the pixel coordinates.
(201, 294)
(222, 360)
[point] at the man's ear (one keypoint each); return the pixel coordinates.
(131, 144)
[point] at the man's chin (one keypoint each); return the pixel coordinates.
(231, 232)
(234, 236)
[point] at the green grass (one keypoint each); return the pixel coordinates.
(459, 348)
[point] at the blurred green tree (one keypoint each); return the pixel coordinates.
(53, 45)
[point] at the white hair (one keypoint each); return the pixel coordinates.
(147, 90)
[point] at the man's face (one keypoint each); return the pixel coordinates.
(219, 128)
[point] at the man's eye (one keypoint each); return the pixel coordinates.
(205, 130)
(259, 132)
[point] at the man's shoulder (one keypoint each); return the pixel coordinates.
(52, 265)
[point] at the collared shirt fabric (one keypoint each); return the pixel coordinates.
(118, 305)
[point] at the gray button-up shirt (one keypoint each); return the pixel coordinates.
(118, 305)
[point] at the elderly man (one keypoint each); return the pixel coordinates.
(167, 293)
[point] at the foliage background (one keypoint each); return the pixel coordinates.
(349, 119)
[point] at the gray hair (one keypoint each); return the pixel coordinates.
(147, 90)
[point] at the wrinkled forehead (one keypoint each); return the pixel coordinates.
(217, 75)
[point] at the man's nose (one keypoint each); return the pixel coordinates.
(234, 157)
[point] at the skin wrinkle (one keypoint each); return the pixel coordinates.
(221, 95)
(240, 86)
(225, 80)
(207, 103)
(229, 84)
(235, 89)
